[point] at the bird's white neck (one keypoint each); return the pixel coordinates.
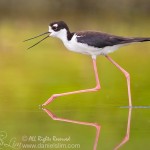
(62, 35)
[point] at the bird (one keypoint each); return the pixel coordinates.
(92, 43)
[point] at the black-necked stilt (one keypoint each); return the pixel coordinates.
(91, 43)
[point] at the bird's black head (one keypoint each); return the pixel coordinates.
(57, 26)
(56, 29)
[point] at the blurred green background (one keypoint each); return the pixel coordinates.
(30, 77)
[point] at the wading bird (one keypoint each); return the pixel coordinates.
(90, 43)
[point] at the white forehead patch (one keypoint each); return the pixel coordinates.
(55, 25)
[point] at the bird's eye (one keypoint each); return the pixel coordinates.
(54, 28)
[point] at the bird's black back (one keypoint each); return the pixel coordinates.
(101, 40)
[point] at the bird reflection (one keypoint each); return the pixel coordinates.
(125, 139)
(127, 135)
(54, 117)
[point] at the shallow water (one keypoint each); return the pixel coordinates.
(47, 129)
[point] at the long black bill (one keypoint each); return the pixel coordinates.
(36, 36)
(39, 42)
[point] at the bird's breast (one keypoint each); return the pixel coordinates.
(78, 47)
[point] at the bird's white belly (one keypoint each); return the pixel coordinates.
(81, 48)
(73, 45)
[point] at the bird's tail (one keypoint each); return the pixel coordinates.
(138, 39)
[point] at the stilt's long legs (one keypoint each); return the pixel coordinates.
(127, 75)
(80, 91)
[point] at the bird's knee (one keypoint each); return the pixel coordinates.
(97, 88)
(127, 75)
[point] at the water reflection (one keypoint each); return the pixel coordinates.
(97, 126)
(54, 117)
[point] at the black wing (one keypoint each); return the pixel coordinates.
(100, 40)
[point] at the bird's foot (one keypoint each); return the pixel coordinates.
(49, 100)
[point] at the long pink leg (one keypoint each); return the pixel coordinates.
(80, 91)
(127, 75)
(127, 136)
(77, 122)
